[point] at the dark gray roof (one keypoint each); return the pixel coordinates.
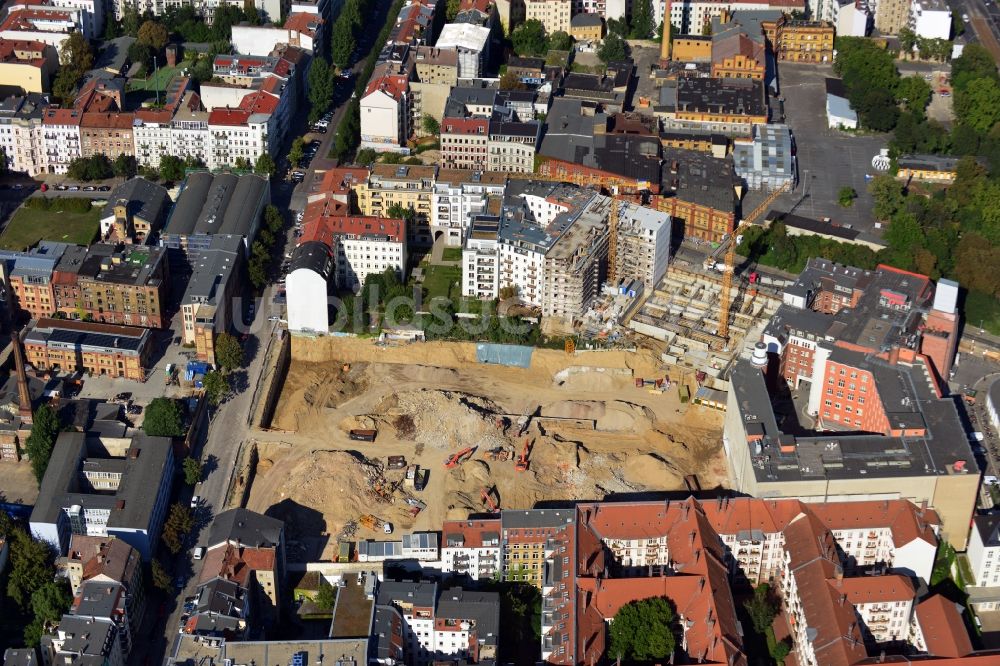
(517, 518)
(213, 268)
(148, 459)
(391, 592)
(81, 413)
(147, 200)
(20, 657)
(219, 204)
(835, 87)
(481, 609)
(314, 256)
(732, 96)
(988, 527)
(526, 63)
(220, 596)
(52, 334)
(583, 20)
(99, 598)
(700, 178)
(928, 162)
(139, 265)
(86, 635)
(246, 528)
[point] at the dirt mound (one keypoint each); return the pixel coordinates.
(449, 420)
(613, 416)
(311, 388)
(651, 472)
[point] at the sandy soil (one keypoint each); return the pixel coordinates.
(17, 483)
(593, 434)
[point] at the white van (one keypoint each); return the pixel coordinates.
(199, 552)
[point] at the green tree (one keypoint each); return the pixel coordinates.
(614, 49)
(643, 630)
(75, 58)
(528, 39)
(160, 576)
(618, 27)
(154, 35)
(915, 92)
(297, 151)
(642, 20)
(342, 43)
(431, 125)
(48, 604)
(257, 270)
(907, 40)
(451, 10)
(131, 20)
(762, 607)
(978, 105)
(125, 166)
(888, 195)
(171, 168)
(560, 41)
(228, 352)
(217, 387)
(192, 471)
(366, 156)
(178, 523)
(326, 597)
(510, 81)
(846, 196)
(321, 88)
(45, 429)
(273, 219)
(163, 418)
(29, 562)
(265, 165)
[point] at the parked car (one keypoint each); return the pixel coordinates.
(74, 188)
(89, 188)
(104, 188)
(195, 501)
(62, 187)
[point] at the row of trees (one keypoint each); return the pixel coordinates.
(45, 428)
(926, 49)
(99, 167)
(261, 250)
(32, 592)
(346, 29)
(529, 39)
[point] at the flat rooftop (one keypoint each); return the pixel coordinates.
(353, 611)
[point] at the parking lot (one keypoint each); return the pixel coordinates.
(828, 159)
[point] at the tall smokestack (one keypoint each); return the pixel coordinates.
(665, 42)
(23, 397)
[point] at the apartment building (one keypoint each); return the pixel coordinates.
(691, 17)
(472, 45)
(407, 186)
(801, 41)
(105, 489)
(210, 305)
(481, 258)
(554, 15)
(984, 557)
(424, 624)
(27, 64)
(930, 19)
(385, 110)
(60, 139)
(512, 145)
(40, 23)
(530, 539)
(460, 195)
(135, 210)
(80, 346)
(464, 143)
(360, 245)
(80, 639)
(471, 548)
(436, 72)
(643, 244)
(302, 29)
(21, 132)
(891, 16)
(586, 27)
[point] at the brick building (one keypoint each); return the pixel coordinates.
(98, 349)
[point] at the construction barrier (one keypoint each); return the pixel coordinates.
(517, 356)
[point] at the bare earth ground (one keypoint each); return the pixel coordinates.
(17, 483)
(428, 401)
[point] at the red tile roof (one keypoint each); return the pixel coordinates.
(9, 49)
(874, 589)
(23, 19)
(465, 126)
(482, 6)
(327, 229)
(120, 121)
(259, 102)
(906, 520)
(230, 117)
(236, 564)
(394, 85)
(471, 530)
(342, 180)
(300, 22)
(57, 116)
(943, 628)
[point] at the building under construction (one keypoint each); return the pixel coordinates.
(683, 312)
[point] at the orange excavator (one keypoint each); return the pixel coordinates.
(457, 458)
(521, 465)
(487, 497)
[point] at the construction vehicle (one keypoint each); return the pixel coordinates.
(360, 435)
(522, 462)
(411, 474)
(487, 497)
(370, 522)
(396, 462)
(499, 454)
(460, 457)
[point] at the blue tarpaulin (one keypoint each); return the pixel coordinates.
(518, 356)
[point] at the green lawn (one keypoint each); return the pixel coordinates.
(443, 281)
(982, 309)
(29, 226)
(452, 254)
(156, 81)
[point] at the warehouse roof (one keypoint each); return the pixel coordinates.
(217, 204)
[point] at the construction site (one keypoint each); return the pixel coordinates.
(368, 440)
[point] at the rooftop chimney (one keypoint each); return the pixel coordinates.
(23, 397)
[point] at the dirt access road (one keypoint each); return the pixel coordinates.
(593, 434)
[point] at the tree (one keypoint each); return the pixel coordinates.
(131, 20)
(273, 219)
(366, 156)
(528, 39)
(326, 597)
(431, 125)
(888, 194)
(48, 604)
(342, 43)
(29, 563)
(618, 27)
(762, 607)
(560, 41)
(154, 35)
(846, 196)
(161, 579)
(75, 58)
(915, 92)
(642, 20)
(265, 165)
(125, 166)
(907, 40)
(164, 418)
(178, 523)
(297, 151)
(321, 88)
(228, 352)
(217, 387)
(979, 104)
(451, 10)
(44, 430)
(510, 81)
(171, 167)
(614, 49)
(192, 471)
(643, 630)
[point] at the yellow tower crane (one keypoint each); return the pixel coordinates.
(729, 268)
